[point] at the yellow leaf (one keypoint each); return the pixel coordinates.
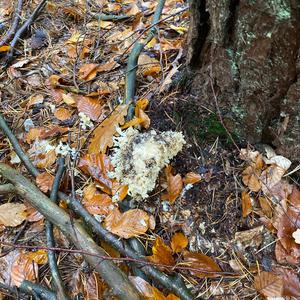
(105, 131)
(161, 253)
(180, 30)
(39, 256)
(179, 242)
(4, 48)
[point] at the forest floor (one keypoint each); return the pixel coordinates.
(228, 217)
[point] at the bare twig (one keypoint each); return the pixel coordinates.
(57, 280)
(23, 29)
(74, 231)
(14, 24)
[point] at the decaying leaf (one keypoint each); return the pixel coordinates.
(246, 204)
(62, 114)
(12, 214)
(25, 267)
(98, 166)
(269, 284)
(103, 134)
(174, 187)
(132, 223)
(249, 238)
(179, 242)
(90, 107)
(192, 178)
(161, 253)
(206, 265)
(44, 181)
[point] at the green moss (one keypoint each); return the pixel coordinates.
(205, 127)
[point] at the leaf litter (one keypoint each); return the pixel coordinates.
(203, 208)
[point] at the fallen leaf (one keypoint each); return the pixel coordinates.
(192, 178)
(107, 66)
(161, 253)
(39, 256)
(103, 134)
(95, 202)
(69, 99)
(208, 268)
(88, 71)
(149, 66)
(266, 206)
(98, 166)
(4, 48)
(44, 181)
(251, 178)
(291, 281)
(174, 187)
(90, 107)
(12, 214)
(132, 223)
(62, 114)
(179, 242)
(34, 100)
(249, 238)
(22, 269)
(269, 284)
(246, 204)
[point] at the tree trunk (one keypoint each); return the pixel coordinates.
(249, 51)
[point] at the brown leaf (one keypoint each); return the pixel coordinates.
(174, 185)
(269, 284)
(98, 166)
(179, 242)
(44, 181)
(192, 178)
(95, 202)
(44, 132)
(250, 177)
(32, 214)
(90, 107)
(12, 214)
(294, 197)
(62, 114)
(291, 281)
(142, 286)
(246, 204)
(105, 131)
(161, 253)
(107, 66)
(132, 223)
(43, 161)
(88, 71)
(23, 268)
(266, 206)
(206, 265)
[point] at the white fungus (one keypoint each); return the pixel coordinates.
(139, 157)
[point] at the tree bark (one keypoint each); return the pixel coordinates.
(249, 49)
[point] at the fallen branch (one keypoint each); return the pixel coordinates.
(104, 17)
(23, 29)
(57, 280)
(14, 24)
(177, 288)
(130, 79)
(74, 231)
(7, 189)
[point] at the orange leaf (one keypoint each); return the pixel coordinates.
(4, 48)
(178, 242)
(107, 66)
(96, 203)
(88, 71)
(246, 204)
(174, 185)
(44, 181)
(266, 206)
(90, 107)
(206, 265)
(191, 178)
(104, 133)
(62, 114)
(23, 268)
(119, 191)
(98, 165)
(269, 284)
(43, 132)
(132, 223)
(161, 253)
(45, 160)
(39, 256)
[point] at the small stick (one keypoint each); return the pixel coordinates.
(22, 30)
(57, 280)
(14, 25)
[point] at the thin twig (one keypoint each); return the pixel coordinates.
(23, 29)
(57, 280)
(14, 24)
